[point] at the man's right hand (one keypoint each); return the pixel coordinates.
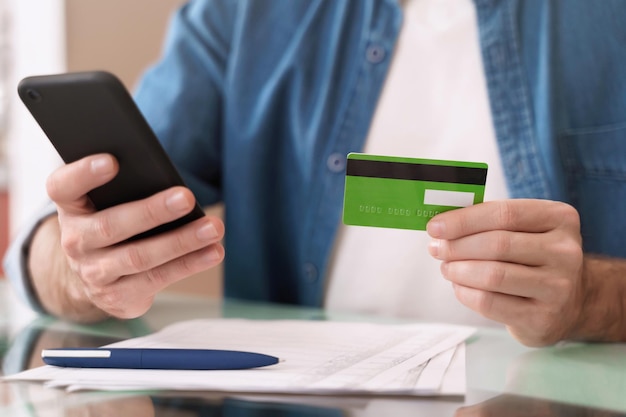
(84, 261)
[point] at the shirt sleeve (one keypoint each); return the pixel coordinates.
(15, 262)
(182, 95)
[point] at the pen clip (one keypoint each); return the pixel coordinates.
(75, 353)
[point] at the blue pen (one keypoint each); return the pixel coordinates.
(182, 359)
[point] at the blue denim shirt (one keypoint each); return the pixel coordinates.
(259, 101)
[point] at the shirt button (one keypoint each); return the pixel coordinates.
(310, 272)
(336, 162)
(375, 54)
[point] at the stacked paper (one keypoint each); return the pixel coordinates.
(317, 357)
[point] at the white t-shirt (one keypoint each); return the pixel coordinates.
(434, 104)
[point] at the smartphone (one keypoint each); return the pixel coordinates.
(84, 113)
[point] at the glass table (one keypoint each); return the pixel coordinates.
(504, 378)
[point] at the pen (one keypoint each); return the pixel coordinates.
(181, 359)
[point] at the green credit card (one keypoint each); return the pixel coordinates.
(405, 193)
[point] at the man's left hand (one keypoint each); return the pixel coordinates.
(516, 261)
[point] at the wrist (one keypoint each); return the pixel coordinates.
(602, 314)
(58, 288)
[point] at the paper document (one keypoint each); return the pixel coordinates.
(316, 357)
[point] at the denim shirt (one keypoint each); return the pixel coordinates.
(259, 101)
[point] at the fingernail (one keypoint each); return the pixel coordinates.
(213, 255)
(444, 269)
(433, 247)
(206, 232)
(177, 202)
(101, 165)
(435, 228)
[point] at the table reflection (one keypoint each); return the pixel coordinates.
(24, 350)
(34, 400)
(191, 406)
(519, 406)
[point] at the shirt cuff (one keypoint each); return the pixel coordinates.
(15, 262)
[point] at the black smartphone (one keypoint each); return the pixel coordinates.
(84, 113)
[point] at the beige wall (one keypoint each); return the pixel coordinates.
(121, 36)
(124, 37)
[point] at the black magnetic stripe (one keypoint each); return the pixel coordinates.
(418, 172)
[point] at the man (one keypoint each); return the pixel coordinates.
(258, 102)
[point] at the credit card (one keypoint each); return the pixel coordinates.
(405, 193)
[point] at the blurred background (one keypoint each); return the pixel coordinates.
(53, 36)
